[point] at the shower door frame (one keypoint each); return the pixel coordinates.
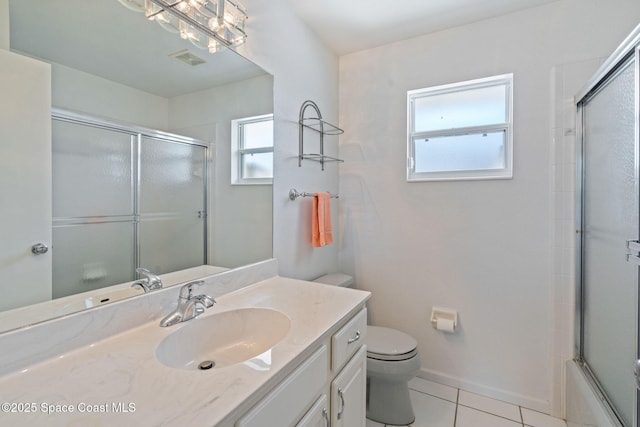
(629, 48)
(138, 132)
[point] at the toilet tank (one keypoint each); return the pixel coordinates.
(336, 279)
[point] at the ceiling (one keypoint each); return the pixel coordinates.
(350, 25)
(81, 34)
(103, 38)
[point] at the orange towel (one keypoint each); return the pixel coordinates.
(321, 233)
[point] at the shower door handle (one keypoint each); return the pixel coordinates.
(634, 247)
(636, 373)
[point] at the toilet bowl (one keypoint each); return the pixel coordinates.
(392, 360)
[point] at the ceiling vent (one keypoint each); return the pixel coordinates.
(187, 57)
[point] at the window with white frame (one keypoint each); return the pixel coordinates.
(461, 130)
(252, 150)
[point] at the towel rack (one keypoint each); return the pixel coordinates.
(294, 194)
(318, 125)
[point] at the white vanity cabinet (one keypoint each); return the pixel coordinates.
(320, 392)
(348, 392)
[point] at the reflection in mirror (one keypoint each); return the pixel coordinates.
(139, 135)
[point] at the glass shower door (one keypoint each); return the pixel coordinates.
(172, 226)
(609, 219)
(93, 207)
(123, 199)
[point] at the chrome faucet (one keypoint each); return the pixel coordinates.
(189, 306)
(149, 282)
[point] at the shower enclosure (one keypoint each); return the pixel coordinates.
(124, 197)
(609, 233)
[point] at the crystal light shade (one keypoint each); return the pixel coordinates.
(207, 24)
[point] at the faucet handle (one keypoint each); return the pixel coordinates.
(205, 300)
(186, 290)
(153, 281)
(142, 284)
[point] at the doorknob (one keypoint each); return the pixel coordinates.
(39, 249)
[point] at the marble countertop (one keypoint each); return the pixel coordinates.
(118, 381)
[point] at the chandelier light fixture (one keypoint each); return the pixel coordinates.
(207, 24)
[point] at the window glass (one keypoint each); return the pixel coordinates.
(460, 152)
(258, 165)
(257, 134)
(462, 108)
(461, 130)
(252, 150)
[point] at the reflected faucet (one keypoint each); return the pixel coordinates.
(149, 282)
(189, 306)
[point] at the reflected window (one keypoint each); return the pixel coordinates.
(252, 150)
(461, 130)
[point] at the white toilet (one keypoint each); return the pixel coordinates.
(392, 360)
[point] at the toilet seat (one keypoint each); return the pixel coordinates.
(389, 344)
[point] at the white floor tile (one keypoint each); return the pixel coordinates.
(469, 417)
(434, 389)
(492, 406)
(432, 411)
(538, 419)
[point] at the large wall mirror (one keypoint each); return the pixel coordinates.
(120, 79)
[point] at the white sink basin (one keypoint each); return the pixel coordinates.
(225, 338)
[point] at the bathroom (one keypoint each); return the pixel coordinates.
(500, 252)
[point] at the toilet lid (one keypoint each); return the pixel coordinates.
(389, 344)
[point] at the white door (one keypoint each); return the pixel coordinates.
(25, 180)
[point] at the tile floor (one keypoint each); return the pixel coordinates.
(437, 405)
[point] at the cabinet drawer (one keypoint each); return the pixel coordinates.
(348, 340)
(287, 402)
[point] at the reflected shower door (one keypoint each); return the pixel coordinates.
(123, 200)
(172, 225)
(93, 207)
(609, 219)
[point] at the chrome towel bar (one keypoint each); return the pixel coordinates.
(294, 194)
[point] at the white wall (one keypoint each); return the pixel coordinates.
(4, 25)
(79, 91)
(303, 69)
(243, 234)
(484, 248)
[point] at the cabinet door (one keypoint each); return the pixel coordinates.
(318, 415)
(348, 393)
(286, 403)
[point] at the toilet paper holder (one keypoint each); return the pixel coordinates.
(448, 319)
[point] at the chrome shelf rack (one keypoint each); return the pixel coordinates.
(316, 124)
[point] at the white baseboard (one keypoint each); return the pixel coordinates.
(505, 396)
